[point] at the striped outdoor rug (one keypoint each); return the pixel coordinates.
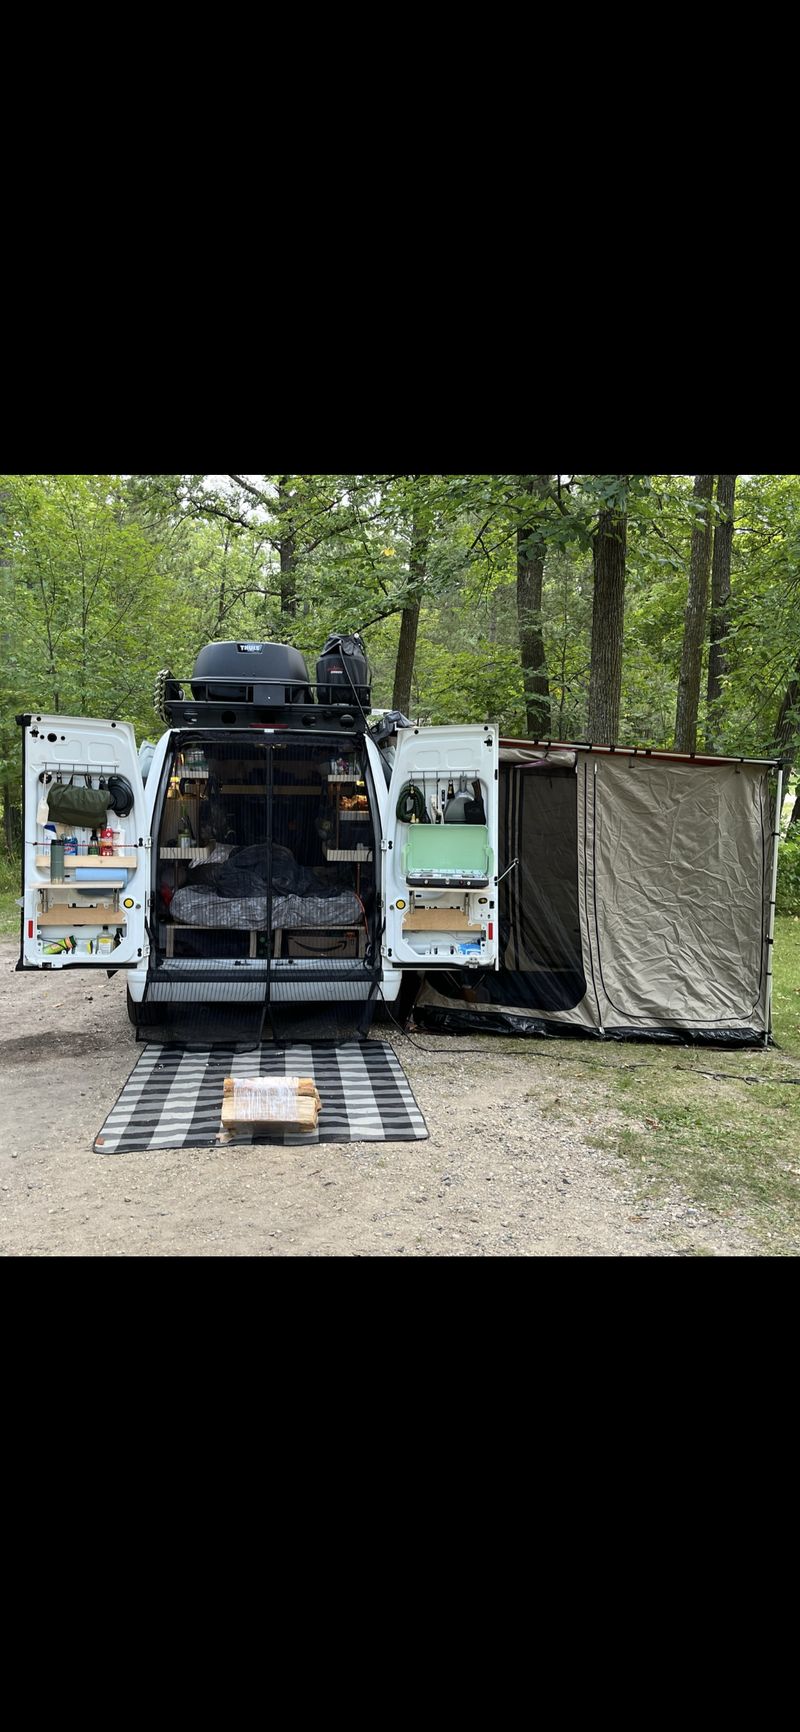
(173, 1097)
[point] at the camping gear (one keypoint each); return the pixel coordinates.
(455, 810)
(343, 674)
(639, 907)
(474, 810)
(411, 804)
(120, 795)
(116, 875)
(69, 804)
(270, 674)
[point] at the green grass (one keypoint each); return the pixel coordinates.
(730, 1146)
(786, 985)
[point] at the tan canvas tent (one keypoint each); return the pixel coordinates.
(637, 901)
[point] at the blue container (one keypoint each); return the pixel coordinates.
(101, 874)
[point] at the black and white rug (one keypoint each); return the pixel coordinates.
(173, 1097)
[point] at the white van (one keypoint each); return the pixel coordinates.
(280, 846)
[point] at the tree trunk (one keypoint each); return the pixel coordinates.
(409, 621)
(287, 551)
(531, 549)
(695, 620)
(720, 598)
(608, 614)
(406, 650)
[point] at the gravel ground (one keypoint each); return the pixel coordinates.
(511, 1167)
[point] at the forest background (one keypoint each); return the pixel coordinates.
(648, 610)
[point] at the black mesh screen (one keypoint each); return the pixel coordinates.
(541, 963)
(265, 925)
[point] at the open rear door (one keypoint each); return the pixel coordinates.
(91, 911)
(440, 877)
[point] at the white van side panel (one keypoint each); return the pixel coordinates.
(99, 898)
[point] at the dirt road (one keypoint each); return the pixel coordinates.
(512, 1166)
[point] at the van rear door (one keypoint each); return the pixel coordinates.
(92, 913)
(440, 877)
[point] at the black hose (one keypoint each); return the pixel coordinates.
(411, 804)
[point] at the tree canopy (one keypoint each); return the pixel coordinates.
(656, 608)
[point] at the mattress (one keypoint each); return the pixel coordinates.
(203, 907)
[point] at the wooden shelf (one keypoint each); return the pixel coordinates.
(82, 917)
(73, 860)
(438, 920)
(83, 884)
(358, 780)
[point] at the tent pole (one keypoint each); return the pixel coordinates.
(771, 921)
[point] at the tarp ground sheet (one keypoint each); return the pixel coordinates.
(173, 1097)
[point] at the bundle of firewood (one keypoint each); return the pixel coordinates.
(287, 1105)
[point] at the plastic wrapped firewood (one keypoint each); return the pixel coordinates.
(287, 1104)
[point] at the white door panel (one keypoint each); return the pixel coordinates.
(440, 878)
(99, 908)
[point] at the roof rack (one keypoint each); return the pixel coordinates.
(256, 703)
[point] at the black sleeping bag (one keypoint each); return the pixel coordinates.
(246, 872)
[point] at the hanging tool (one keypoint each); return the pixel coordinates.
(474, 810)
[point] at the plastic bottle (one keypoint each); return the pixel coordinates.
(70, 845)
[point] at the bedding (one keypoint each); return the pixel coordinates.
(196, 906)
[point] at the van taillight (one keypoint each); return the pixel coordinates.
(30, 928)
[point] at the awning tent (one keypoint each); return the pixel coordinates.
(636, 899)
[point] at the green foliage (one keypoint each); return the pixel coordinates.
(9, 891)
(104, 579)
(788, 891)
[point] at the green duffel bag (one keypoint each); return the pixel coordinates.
(70, 805)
